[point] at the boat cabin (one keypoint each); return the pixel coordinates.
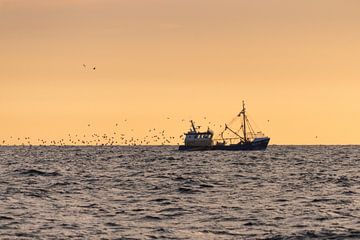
(194, 138)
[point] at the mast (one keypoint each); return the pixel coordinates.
(244, 119)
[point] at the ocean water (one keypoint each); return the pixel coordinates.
(285, 192)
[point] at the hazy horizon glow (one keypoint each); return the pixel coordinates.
(295, 63)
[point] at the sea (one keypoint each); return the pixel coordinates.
(158, 192)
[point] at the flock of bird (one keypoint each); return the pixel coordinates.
(152, 137)
(126, 136)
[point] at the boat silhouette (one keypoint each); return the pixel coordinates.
(245, 139)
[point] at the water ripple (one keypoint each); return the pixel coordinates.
(286, 192)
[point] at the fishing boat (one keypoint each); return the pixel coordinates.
(244, 139)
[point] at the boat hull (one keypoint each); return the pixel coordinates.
(259, 145)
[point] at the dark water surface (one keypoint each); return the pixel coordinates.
(286, 192)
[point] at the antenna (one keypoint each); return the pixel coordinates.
(193, 125)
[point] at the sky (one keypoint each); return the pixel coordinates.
(295, 63)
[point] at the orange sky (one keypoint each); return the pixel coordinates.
(294, 62)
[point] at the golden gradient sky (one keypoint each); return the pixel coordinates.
(296, 63)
